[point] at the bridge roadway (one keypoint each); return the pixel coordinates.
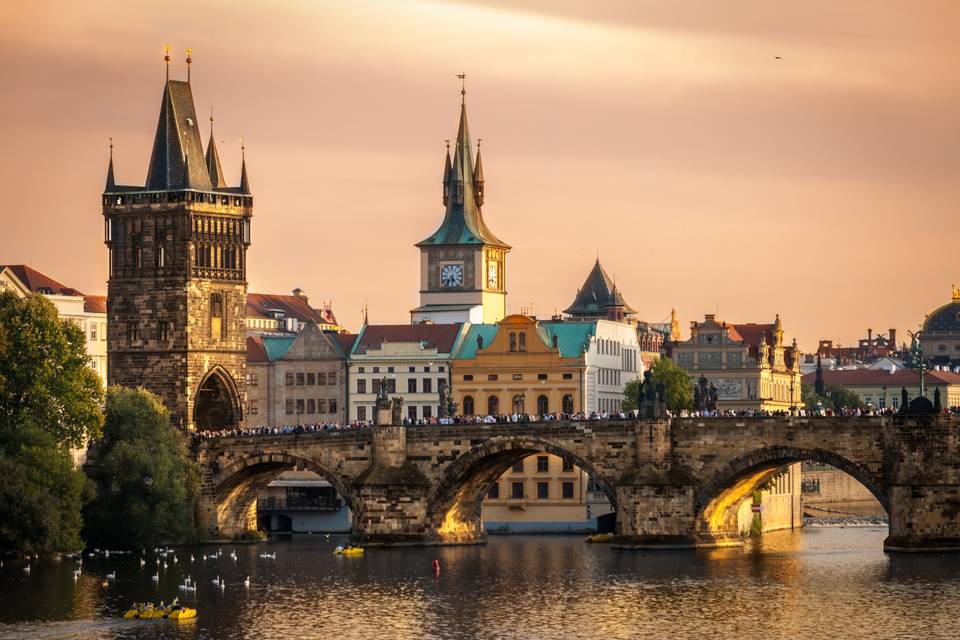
(674, 483)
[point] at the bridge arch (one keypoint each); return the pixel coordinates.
(237, 485)
(719, 497)
(454, 502)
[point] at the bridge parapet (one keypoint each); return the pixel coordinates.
(672, 482)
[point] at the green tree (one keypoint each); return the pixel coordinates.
(678, 385)
(49, 404)
(146, 483)
(834, 397)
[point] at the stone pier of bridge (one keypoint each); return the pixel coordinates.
(674, 483)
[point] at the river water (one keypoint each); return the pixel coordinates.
(816, 583)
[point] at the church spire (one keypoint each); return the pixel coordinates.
(111, 185)
(447, 171)
(463, 190)
(213, 160)
(177, 158)
(244, 181)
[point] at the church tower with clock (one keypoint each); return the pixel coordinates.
(462, 264)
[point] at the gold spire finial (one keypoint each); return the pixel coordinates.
(166, 58)
(956, 293)
(189, 60)
(463, 88)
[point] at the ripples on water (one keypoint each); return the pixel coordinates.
(824, 583)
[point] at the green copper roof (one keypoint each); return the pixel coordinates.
(463, 220)
(573, 338)
(277, 347)
(468, 350)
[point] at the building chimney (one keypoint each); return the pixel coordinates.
(893, 339)
(870, 337)
(298, 292)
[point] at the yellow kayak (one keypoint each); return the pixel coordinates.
(600, 537)
(349, 551)
(183, 613)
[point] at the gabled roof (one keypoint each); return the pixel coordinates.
(442, 337)
(38, 282)
(345, 341)
(95, 304)
(597, 294)
(259, 305)
(880, 377)
(463, 220)
(268, 348)
(177, 160)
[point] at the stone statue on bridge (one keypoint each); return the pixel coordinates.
(652, 397)
(383, 395)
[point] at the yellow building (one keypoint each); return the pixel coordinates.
(545, 493)
(521, 366)
(748, 364)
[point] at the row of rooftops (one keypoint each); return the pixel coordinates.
(461, 341)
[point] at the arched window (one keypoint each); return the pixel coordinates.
(513, 341)
(543, 405)
(523, 341)
(567, 403)
(217, 326)
(518, 403)
(493, 406)
(468, 405)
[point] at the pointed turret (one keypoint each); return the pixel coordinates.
(177, 160)
(478, 178)
(111, 185)
(599, 297)
(212, 158)
(447, 171)
(244, 181)
(463, 221)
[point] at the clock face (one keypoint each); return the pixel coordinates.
(492, 269)
(451, 275)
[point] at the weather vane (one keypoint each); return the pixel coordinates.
(463, 86)
(189, 60)
(166, 58)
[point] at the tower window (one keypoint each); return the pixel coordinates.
(217, 325)
(513, 342)
(163, 331)
(523, 341)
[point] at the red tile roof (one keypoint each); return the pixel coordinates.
(879, 377)
(38, 282)
(260, 304)
(345, 340)
(255, 350)
(95, 304)
(439, 336)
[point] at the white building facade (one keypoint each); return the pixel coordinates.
(612, 360)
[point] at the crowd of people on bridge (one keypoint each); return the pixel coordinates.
(526, 418)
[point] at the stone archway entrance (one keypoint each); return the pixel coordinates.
(218, 402)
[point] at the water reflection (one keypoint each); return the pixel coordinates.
(819, 583)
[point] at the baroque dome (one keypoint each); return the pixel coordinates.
(946, 319)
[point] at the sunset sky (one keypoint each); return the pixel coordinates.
(665, 135)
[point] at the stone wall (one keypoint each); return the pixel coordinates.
(672, 484)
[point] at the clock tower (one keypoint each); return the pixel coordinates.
(463, 275)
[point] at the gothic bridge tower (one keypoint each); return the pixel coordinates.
(177, 290)
(463, 275)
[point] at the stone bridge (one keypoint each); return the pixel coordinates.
(674, 483)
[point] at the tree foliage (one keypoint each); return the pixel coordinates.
(834, 397)
(49, 404)
(678, 385)
(44, 377)
(146, 484)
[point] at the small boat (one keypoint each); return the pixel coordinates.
(600, 537)
(348, 551)
(156, 613)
